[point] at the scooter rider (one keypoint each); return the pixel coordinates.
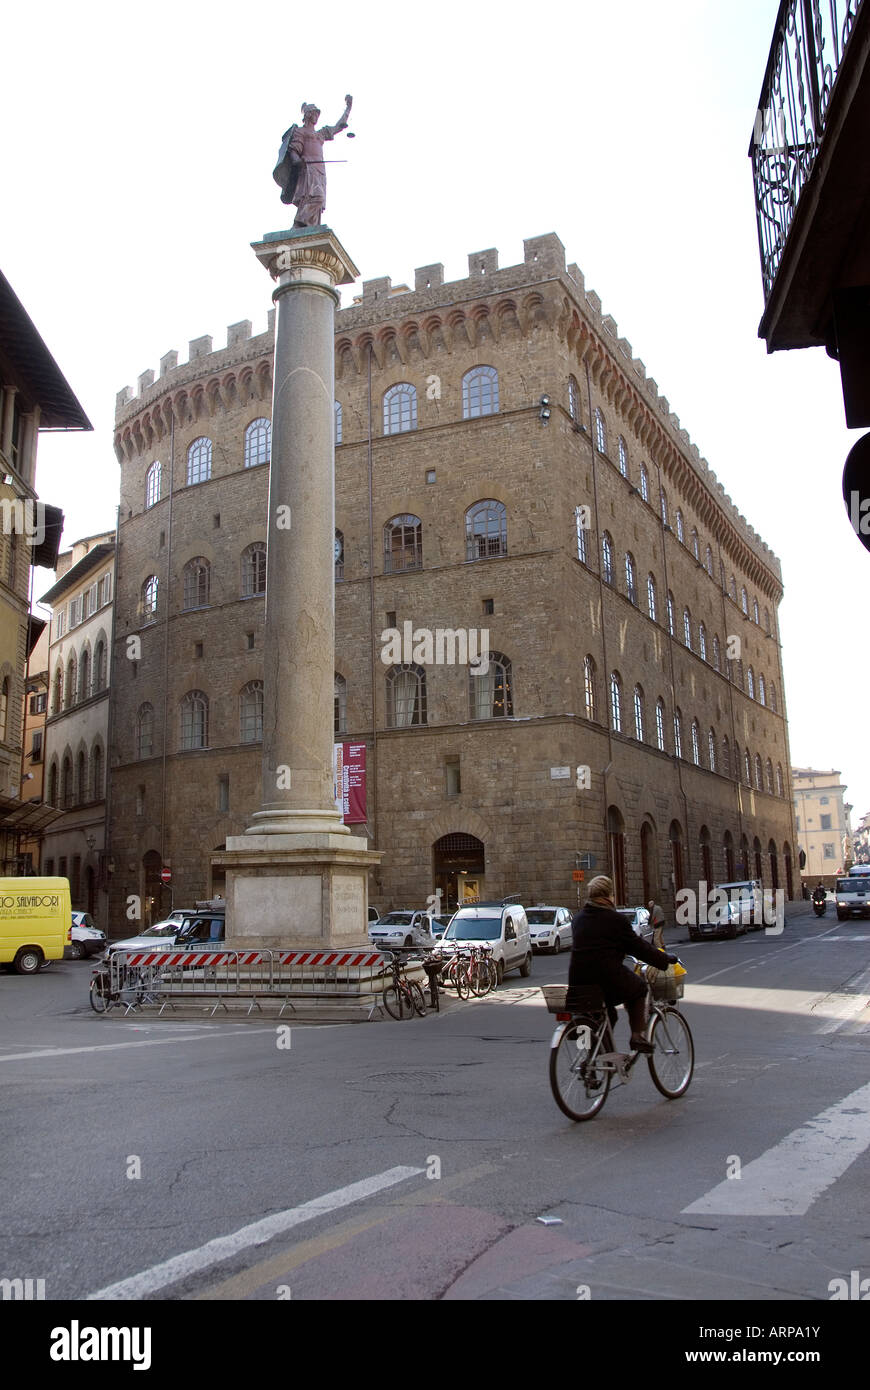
(819, 895)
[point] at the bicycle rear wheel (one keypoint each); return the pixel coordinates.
(394, 1002)
(418, 998)
(99, 994)
(579, 1086)
(672, 1063)
(459, 978)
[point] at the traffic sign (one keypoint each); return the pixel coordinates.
(165, 875)
(578, 876)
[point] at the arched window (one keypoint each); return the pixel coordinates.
(750, 683)
(196, 583)
(709, 562)
(726, 756)
(681, 535)
(85, 674)
(406, 696)
(600, 432)
(758, 782)
(747, 768)
(638, 713)
(152, 484)
(687, 628)
(695, 545)
(145, 731)
(66, 783)
(762, 692)
(573, 399)
(251, 712)
(199, 461)
(630, 581)
(696, 743)
(400, 409)
(4, 709)
(702, 642)
(773, 697)
(738, 763)
(711, 749)
(651, 597)
(149, 599)
(57, 690)
(485, 530)
(254, 570)
(607, 557)
(732, 588)
(717, 653)
(339, 706)
(403, 544)
(767, 621)
(70, 693)
(52, 785)
(258, 443)
(670, 613)
(579, 516)
(768, 776)
(479, 392)
(339, 554)
(194, 720)
(644, 482)
(338, 425)
(622, 452)
(589, 687)
(780, 790)
(99, 677)
(491, 694)
(664, 506)
(744, 601)
(678, 733)
(615, 702)
(660, 724)
(96, 773)
(755, 610)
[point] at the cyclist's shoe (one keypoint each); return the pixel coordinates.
(640, 1044)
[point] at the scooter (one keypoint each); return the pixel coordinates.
(820, 906)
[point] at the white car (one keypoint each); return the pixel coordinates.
(502, 924)
(206, 928)
(85, 939)
(405, 928)
(549, 928)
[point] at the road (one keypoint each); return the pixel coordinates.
(414, 1160)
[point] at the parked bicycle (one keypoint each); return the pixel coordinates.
(482, 970)
(404, 997)
(583, 1059)
(123, 986)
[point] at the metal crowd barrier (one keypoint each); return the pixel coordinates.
(161, 976)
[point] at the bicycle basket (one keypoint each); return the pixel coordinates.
(554, 998)
(665, 986)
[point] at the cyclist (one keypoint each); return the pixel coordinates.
(602, 938)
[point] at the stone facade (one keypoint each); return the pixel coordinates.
(515, 779)
(823, 822)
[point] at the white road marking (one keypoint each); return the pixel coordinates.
(113, 1047)
(788, 1178)
(258, 1233)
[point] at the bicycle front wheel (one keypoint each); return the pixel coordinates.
(394, 1002)
(579, 1085)
(99, 994)
(673, 1061)
(418, 998)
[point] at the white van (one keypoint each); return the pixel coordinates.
(35, 922)
(503, 925)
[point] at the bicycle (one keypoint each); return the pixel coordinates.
(131, 990)
(583, 1060)
(456, 973)
(482, 971)
(403, 997)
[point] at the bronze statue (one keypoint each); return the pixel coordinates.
(300, 171)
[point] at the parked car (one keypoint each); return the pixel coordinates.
(404, 928)
(194, 928)
(638, 920)
(853, 896)
(373, 914)
(503, 924)
(440, 923)
(85, 938)
(743, 909)
(549, 928)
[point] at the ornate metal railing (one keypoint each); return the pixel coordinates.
(809, 43)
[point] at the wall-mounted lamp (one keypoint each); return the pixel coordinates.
(545, 408)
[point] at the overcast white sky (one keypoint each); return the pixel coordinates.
(137, 157)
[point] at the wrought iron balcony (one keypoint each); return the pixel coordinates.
(810, 49)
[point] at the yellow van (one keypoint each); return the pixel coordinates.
(35, 921)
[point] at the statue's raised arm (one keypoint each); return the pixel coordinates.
(341, 124)
(300, 171)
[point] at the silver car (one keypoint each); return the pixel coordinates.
(549, 928)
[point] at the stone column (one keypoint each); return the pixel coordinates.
(297, 875)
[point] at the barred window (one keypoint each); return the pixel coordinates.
(485, 530)
(758, 781)
(491, 695)
(406, 697)
(755, 610)
(726, 756)
(762, 693)
(680, 530)
(622, 451)
(773, 697)
(145, 731)
(251, 712)
(573, 399)
(644, 482)
(615, 702)
(400, 409)
(678, 733)
(403, 544)
(581, 534)
(194, 720)
(744, 601)
(696, 743)
(589, 686)
(152, 484)
(670, 613)
(479, 392)
(638, 713)
(254, 570)
(630, 582)
(607, 557)
(199, 461)
(149, 598)
(664, 506)
(660, 724)
(702, 642)
(695, 546)
(780, 791)
(709, 562)
(717, 653)
(258, 443)
(339, 554)
(687, 628)
(711, 750)
(750, 683)
(600, 432)
(768, 776)
(651, 597)
(196, 583)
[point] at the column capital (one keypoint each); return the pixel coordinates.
(306, 253)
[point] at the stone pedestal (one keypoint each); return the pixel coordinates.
(297, 877)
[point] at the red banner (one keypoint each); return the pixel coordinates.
(350, 782)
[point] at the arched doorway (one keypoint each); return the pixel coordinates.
(704, 845)
(458, 869)
(728, 852)
(151, 888)
(743, 862)
(675, 835)
(786, 855)
(616, 846)
(649, 862)
(774, 865)
(756, 855)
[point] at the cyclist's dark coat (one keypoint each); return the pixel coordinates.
(602, 938)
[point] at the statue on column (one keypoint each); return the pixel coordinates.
(300, 171)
